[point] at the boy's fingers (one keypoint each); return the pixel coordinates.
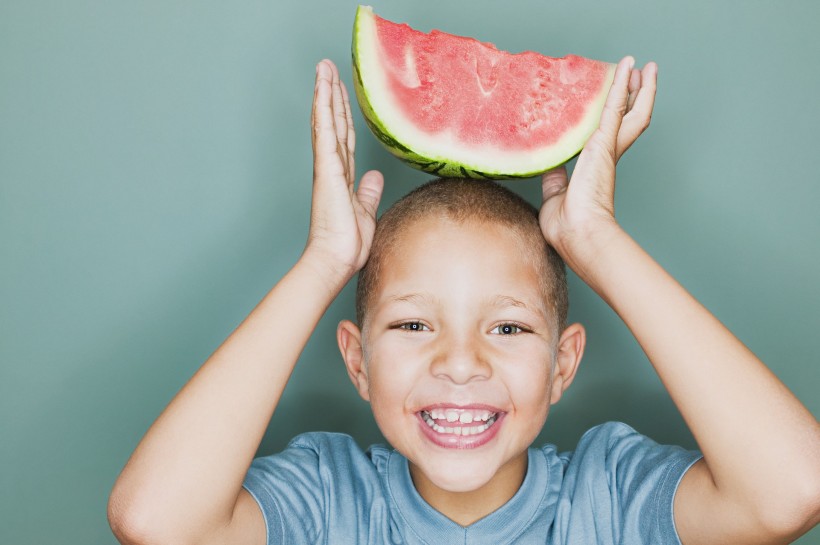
(351, 134)
(315, 102)
(324, 132)
(616, 102)
(339, 112)
(637, 120)
(634, 87)
(645, 97)
(370, 191)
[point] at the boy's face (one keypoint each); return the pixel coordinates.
(458, 353)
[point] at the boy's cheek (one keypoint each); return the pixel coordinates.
(389, 375)
(530, 387)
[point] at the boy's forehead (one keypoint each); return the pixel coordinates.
(434, 237)
(435, 256)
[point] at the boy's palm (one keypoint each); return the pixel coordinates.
(569, 211)
(343, 219)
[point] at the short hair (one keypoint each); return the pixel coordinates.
(460, 200)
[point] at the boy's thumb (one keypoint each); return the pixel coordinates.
(370, 191)
(553, 182)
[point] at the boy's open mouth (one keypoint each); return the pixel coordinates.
(464, 422)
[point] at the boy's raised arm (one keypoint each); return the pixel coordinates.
(183, 483)
(759, 480)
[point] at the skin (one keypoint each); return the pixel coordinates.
(759, 481)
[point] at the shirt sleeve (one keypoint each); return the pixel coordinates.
(321, 485)
(287, 487)
(622, 485)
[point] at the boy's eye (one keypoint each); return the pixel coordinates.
(414, 326)
(507, 329)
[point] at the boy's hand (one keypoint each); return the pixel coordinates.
(342, 220)
(572, 212)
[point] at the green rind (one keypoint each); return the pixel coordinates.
(438, 166)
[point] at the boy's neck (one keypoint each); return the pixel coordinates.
(465, 508)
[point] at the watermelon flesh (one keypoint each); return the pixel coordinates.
(455, 106)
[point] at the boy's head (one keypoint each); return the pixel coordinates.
(463, 346)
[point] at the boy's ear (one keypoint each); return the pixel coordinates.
(570, 350)
(349, 337)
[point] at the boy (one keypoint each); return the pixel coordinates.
(462, 350)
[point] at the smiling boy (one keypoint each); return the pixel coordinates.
(461, 349)
(462, 306)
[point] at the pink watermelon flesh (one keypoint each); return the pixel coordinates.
(445, 82)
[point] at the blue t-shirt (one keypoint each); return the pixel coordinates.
(617, 487)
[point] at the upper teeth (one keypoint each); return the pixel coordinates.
(465, 416)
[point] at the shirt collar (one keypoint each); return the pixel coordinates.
(532, 505)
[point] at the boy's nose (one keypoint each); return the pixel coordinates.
(460, 360)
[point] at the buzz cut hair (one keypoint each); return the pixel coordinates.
(462, 200)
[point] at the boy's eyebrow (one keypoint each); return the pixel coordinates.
(416, 298)
(508, 301)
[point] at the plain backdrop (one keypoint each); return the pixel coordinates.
(155, 177)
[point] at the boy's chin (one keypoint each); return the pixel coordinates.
(458, 476)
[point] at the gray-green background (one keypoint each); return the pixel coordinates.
(155, 175)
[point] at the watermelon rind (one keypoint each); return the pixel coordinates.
(440, 156)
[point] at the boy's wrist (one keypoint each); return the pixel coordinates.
(583, 249)
(331, 275)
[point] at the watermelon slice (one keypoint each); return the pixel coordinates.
(454, 106)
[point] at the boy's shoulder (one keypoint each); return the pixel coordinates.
(315, 465)
(328, 441)
(606, 437)
(318, 440)
(613, 459)
(619, 443)
(331, 452)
